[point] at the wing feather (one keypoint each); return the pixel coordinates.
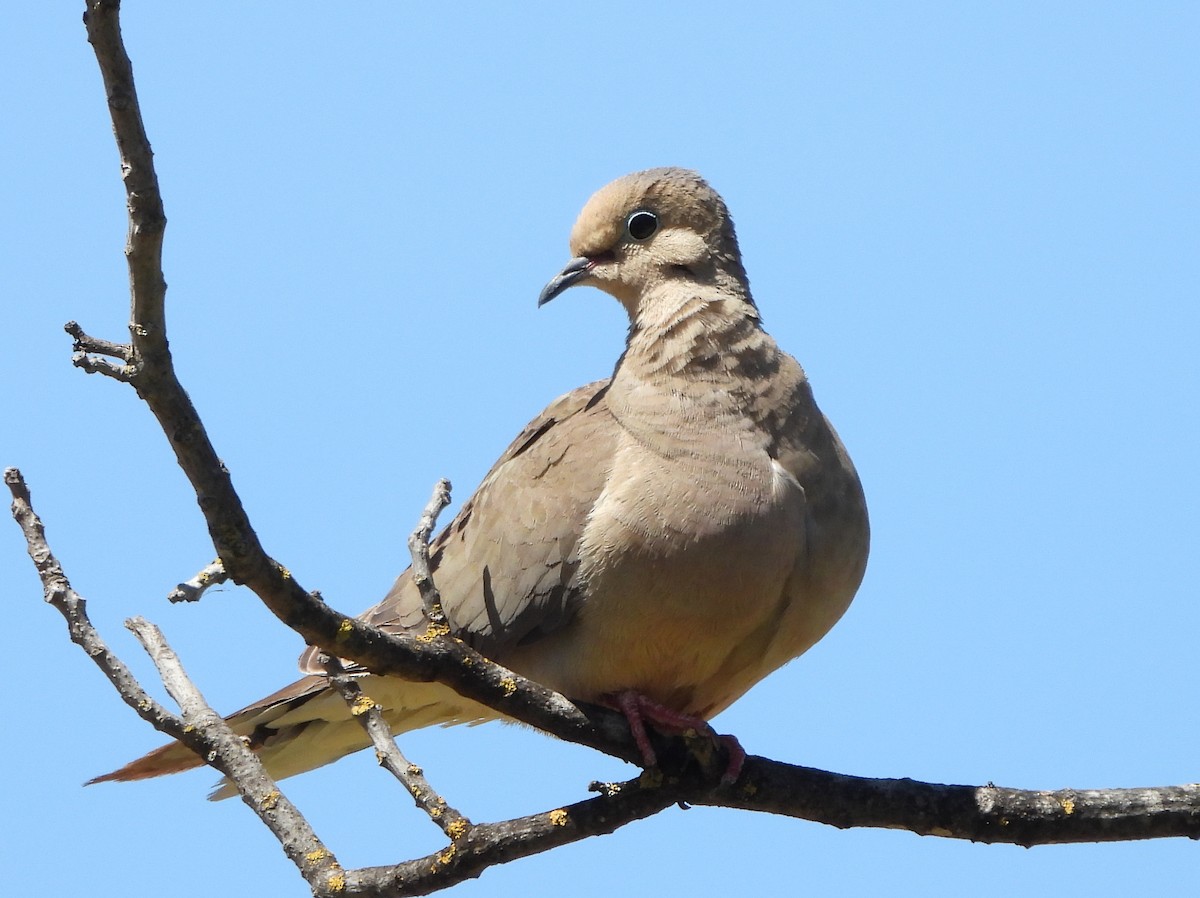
(506, 565)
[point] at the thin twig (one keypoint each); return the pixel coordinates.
(489, 844)
(92, 365)
(93, 355)
(210, 575)
(94, 345)
(453, 823)
(418, 548)
(58, 592)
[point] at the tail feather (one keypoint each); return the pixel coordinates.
(300, 748)
(307, 725)
(173, 758)
(177, 757)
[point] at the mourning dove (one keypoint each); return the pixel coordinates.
(658, 542)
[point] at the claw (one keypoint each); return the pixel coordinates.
(638, 709)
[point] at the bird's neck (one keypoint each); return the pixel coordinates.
(703, 379)
(700, 334)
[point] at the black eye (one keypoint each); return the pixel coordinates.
(642, 225)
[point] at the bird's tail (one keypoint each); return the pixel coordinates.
(307, 725)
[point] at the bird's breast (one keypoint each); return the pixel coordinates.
(683, 563)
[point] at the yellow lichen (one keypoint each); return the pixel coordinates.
(345, 628)
(319, 855)
(559, 817)
(362, 705)
(445, 857)
(650, 778)
(270, 800)
(457, 829)
(433, 632)
(285, 573)
(414, 770)
(1068, 805)
(336, 881)
(509, 685)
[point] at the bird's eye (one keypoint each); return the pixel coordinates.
(642, 225)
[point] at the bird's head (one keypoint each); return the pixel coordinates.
(650, 228)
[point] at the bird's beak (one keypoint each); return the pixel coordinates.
(575, 271)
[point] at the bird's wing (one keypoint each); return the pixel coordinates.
(506, 564)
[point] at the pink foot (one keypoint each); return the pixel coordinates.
(737, 757)
(638, 709)
(631, 704)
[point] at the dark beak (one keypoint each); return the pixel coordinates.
(574, 272)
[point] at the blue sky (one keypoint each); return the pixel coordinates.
(975, 225)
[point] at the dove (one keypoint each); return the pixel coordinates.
(657, 542)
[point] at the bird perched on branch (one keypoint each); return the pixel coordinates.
(658, 541)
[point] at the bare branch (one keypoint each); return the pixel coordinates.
(123, 373)
(59, 593)
(418, 547)
(988, 813)
(147, 221)
(495, 843)
(148, 354)
(191, 590)
(229, 753)
(453, 823)
(200, 728)
(95, 346)
(87, 349)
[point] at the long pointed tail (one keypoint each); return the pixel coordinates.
(177, 757)
(307, 725)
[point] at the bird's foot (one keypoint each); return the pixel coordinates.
(638, 710)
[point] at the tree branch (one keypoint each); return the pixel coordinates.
(418, 548)
(212, 574)
(989, 814)
(227, 752)
(453, 823)
(200, 728)
(92, 355)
